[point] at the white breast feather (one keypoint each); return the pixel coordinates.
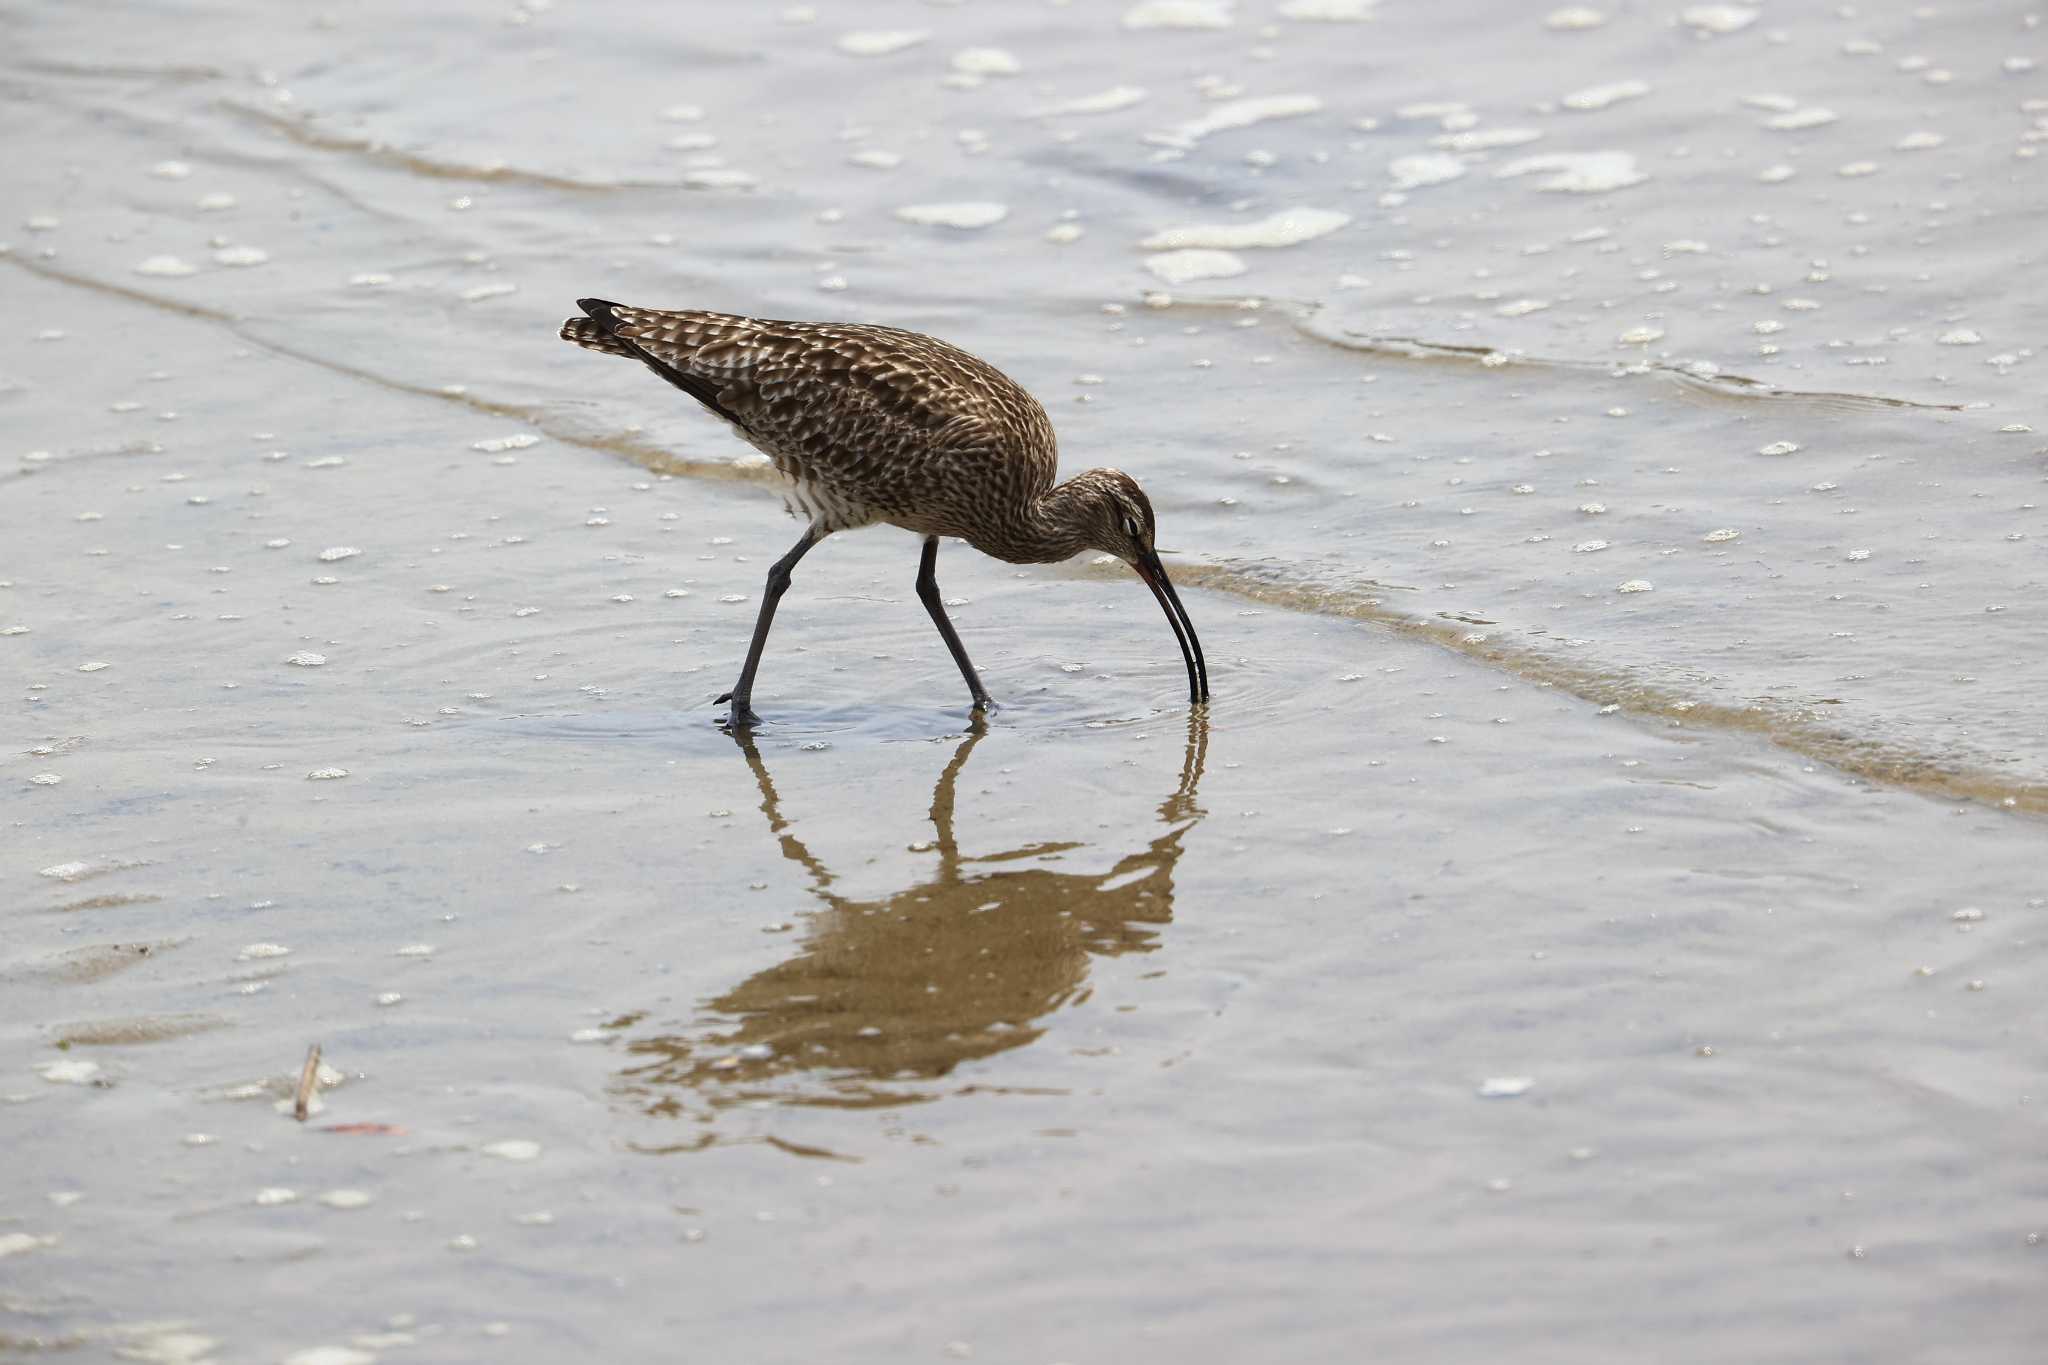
(824, 506)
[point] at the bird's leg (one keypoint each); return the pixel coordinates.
(928, 593)
(941, 813)
(742, 694)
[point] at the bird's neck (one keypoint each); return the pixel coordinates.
(1052, 528)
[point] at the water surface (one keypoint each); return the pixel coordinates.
(1600, 914)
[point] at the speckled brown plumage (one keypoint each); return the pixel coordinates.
(868, 423)
(874, 424)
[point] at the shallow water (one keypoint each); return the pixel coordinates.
(1600, 914)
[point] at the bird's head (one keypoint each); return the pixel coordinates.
(1116, 518)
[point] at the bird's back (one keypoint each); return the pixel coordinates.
(870, 423)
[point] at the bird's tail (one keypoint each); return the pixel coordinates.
(593, 333)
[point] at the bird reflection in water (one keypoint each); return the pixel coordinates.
(883, 994)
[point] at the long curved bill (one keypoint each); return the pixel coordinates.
(1154, 573)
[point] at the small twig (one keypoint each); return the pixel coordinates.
(309, 1081)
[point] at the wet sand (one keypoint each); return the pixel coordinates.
(1502, 967)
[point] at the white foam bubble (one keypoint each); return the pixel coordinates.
(1573, 19)
(1101, 102)
(986, 61)
(1796, 120)
(168, 266)
(1600, 96)
(497, 444)
(346, 1199)
(1578, 172)
(1328, 11)
(1423, 170)
(1288, 227)
(1718, 18)
(719, 178)
(880, 42)
(968, 214)
(1182, 267)
(1485, 139)
(1178, 14)
(1238, 114)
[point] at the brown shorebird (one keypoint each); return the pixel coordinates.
(871, 424)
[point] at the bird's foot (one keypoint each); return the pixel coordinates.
(742, 716)
(984, 704)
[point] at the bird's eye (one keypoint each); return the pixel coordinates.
(1131, 529)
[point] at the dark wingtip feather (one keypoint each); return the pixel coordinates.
(600, 309)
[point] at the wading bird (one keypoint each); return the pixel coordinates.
(872, 424)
